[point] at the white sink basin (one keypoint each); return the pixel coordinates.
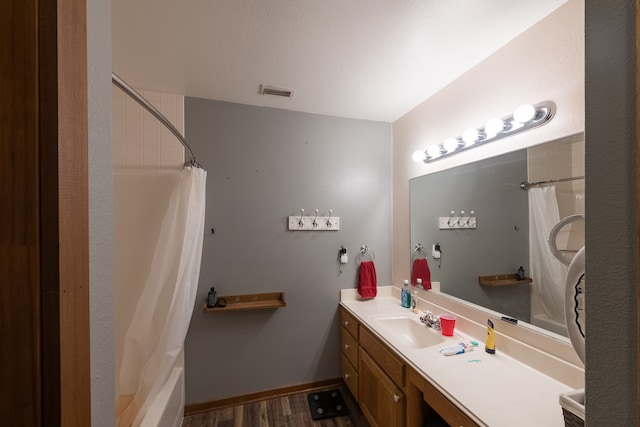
(410, 331)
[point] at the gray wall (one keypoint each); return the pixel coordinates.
(491, 188)
(100, 213)
(611, 226)
(263, 165)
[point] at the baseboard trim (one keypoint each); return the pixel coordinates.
(195, 408)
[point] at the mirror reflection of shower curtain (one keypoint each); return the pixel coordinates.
(156, 334)
(547, 272)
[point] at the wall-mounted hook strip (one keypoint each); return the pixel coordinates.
(454, 221)
(316, 222)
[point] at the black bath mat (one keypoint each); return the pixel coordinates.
(326, 404)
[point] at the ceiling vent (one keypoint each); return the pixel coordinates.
(276, 91)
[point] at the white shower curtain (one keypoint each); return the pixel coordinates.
(155, 337)
(548, 273)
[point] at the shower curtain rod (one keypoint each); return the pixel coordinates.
(524, 185)
(155, 113)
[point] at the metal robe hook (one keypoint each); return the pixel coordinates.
(300, 221)
(329, 219)
(461, 215)
(315, 220)
(449, 222)
(471, 214)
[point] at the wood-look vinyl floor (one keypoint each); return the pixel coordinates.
(286, 411)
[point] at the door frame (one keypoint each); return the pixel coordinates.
(44, 270)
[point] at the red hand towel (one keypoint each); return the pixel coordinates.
(367, 281)
(421, 270)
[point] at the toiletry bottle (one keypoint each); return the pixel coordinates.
(211, 298)
(419, 283)
(405, 296)
(490, 345)
(520, 273)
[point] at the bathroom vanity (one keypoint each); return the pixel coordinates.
(391, 364)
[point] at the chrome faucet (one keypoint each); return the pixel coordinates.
(431, 320)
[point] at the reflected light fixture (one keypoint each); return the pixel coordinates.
(524, 118)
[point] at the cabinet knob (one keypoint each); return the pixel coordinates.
(346, 323)
(346, 376)
(396, 398)
(346, 346)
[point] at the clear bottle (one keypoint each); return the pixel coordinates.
(419, 283)
(405, 295)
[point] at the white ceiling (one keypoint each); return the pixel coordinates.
(367, 59)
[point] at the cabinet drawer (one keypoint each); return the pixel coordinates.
(389, 362)
(349, 347)
(350, 376)
(349, 322)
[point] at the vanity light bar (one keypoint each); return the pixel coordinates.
(524, 118)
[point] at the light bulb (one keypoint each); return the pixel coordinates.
(524, 113)
(470, 136)
(418, 156)
(434, 151)
(450, 144)
(493, 126)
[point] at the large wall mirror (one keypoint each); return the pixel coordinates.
(512, 228)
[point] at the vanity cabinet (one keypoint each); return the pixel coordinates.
(374, 374)
(350, 351)
(390, 393)
(423, 399)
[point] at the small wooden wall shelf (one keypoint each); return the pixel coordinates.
(249, 302)
(502, 280)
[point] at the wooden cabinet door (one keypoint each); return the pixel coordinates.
(381, 400)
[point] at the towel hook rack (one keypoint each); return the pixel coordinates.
(316, 222)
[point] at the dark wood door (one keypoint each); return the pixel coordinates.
(44, 360)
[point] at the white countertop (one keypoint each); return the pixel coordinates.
(493, 389)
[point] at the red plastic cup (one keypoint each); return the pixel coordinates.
(447, 324)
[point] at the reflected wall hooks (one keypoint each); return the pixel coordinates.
(457, 221)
